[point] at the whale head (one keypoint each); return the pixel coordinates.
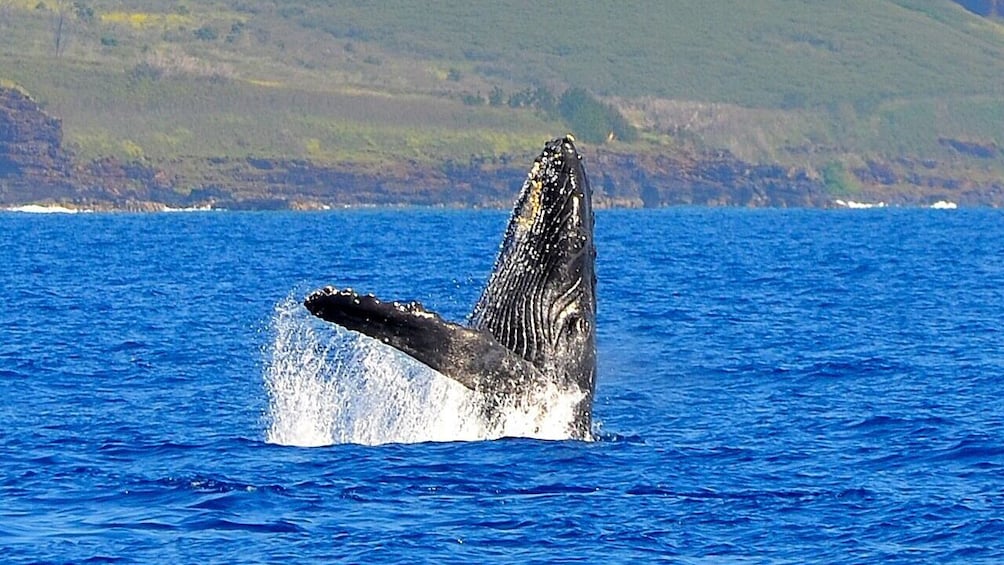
(540, 301)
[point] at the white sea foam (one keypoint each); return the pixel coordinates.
(203, 208)
(326, 385)
(40, 209)
(944, 205)
(859, 205)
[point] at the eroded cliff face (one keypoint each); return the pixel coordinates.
(32, 159)
(618, 179)
(35, 166)
(717, 179)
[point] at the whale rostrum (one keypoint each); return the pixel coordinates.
(535, 323)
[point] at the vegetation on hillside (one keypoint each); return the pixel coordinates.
(791, 81)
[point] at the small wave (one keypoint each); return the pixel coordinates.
(128, 345)
(555, 488)
(106, 559)
(611, 437)
(882, 422)
(853, 367)
(145, 525)
(974, 450)
(877, 421)
(659, 490)
(326, 386)
(856, 493)
(276, 527)
(216, 486)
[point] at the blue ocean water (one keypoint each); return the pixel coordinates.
(775, 386)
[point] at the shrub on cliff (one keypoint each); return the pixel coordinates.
(592, 120)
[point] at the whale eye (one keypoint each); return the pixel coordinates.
(575, 325)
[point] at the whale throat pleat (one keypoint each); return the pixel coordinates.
(516, 306)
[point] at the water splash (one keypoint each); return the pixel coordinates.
(327, 385)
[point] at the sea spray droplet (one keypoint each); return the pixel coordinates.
(326, 385)
(299, 394)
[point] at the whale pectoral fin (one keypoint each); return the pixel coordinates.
(471, 357)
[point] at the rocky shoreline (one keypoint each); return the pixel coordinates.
(37, 169)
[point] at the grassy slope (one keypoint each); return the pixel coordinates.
(801, 82)
(753, 54)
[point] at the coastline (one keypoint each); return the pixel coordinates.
(156, 208)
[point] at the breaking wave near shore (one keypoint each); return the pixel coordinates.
(327, 385)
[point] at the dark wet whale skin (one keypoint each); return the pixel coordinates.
(540, 301)
(535, 323)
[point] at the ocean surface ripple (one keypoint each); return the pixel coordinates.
(774, 387)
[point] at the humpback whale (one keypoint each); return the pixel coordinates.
(534, 325)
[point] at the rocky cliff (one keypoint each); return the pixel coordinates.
(32, 160)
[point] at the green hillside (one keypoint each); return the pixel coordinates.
(804, 82)
(769, 53)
